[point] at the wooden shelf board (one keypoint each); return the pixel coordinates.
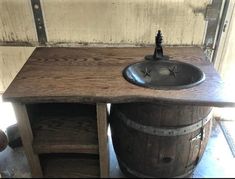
(57, 129)
(70, 166)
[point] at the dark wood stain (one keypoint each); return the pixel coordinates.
(69, 128)
(154, 155)
(53, 74)
(70, 166)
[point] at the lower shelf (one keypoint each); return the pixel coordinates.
(70, 165)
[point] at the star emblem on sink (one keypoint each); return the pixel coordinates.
(146, 72)
(173, 70)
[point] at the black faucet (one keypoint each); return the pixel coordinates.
(158, 52)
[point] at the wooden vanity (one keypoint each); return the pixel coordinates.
(60, 97)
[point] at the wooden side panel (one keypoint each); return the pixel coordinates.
(16, 21)
(27, 138)
(103, 139)
(125, 22)
(11, 61)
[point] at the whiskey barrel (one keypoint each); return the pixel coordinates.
(3, 140)
(159, 140)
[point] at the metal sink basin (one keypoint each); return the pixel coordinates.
(163, 74)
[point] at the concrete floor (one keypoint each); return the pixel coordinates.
(217, 161)
(13, 163)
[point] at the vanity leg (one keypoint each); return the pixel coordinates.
(101, 110)
(27, 138)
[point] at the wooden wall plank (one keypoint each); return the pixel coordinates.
(16, 21)
(11, 61)
(126, 22)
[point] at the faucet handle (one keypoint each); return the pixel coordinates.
(158, 52)
(158, 38)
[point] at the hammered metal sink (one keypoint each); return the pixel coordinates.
(164, 74)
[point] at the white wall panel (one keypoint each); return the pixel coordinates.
(16, 21)
(11, 61)
(125, 21)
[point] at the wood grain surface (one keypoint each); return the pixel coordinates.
(70, 166)
(155, 155)
(94, 75)
(27, 139)
(67, 128)
(70, 135)
(102, 124)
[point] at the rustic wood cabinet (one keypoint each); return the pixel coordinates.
(60, 97)
(64, 139)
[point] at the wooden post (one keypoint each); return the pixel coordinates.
(27, 138)
(101, 110)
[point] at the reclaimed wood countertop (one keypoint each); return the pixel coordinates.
(94, 75)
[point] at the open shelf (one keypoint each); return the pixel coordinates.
(70, 166)
(64, 128)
